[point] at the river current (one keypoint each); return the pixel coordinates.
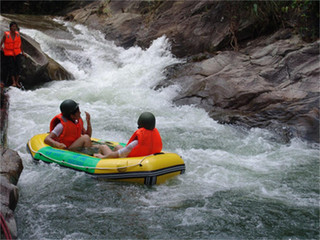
(238, 184)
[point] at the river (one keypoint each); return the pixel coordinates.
(238, 184)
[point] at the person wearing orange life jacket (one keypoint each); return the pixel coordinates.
(145, 141)
(12, 52)
(66, 128)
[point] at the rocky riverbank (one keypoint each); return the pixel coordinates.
(240, 69)
(10, 170)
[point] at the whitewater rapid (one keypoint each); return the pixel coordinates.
(239, 184)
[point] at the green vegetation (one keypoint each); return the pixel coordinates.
(269, 16)
(302, 15)
(104, 8)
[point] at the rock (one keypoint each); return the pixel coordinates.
(10, 170)
(4, 100)
(271, 84)
(11, 165)
(9, 222)
(269, 81)
(193, 27)
(9, 193)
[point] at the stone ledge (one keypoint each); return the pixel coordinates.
(10, 170)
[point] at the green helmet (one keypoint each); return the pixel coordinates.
(67, 107)
(147, 121)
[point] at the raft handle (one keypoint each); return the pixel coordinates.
(159, 153)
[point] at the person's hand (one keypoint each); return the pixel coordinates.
(60, 145)
(98, 155)
(87, 116)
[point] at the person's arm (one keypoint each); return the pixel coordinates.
(53, 143)
(89, 128)
(124, 152)
(2, 41)
(23, 53)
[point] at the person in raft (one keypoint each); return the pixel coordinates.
(66, 128)
(145, 141)
(13, 52)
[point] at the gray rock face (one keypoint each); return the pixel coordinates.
(10, 170)
(38, 68)
(192, 26)
(273, 83)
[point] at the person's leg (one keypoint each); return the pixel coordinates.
(106, 152)
(14, 81)
(17, 68)
(83, 141)
(118, 147)
(10, 62)
(4, 70)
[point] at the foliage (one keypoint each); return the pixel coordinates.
(302, 15)
(104, 8)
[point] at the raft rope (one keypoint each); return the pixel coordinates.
(4, 227)
(75, 165)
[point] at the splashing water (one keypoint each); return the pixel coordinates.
(239, 184)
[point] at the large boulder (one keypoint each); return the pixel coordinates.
(273, 83)
(195, 27)
(10, 170)
(191, 26)
(4, 105)
(37, 67)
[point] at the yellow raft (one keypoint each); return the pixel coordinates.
(149, 170)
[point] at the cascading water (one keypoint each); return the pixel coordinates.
(239, 184)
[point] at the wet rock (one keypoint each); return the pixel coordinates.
(11, 165)
(4, 104)
(10, 170)
(273, 83)
(269, 81)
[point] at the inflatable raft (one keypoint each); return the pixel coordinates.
(149, 170)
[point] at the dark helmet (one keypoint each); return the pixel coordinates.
(147, 121)
(67, 107)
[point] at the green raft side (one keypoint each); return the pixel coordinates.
(68, 159)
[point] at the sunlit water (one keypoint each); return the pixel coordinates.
(238, 184)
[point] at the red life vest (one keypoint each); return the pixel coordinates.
(149, 142)
(12, 47)
(71, 131)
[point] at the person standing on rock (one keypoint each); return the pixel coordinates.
(13, 52)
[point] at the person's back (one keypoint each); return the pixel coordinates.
(145, 141)
(149, 142)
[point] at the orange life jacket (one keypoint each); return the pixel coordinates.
(71, 131)
(12, 47)
(149, 142)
